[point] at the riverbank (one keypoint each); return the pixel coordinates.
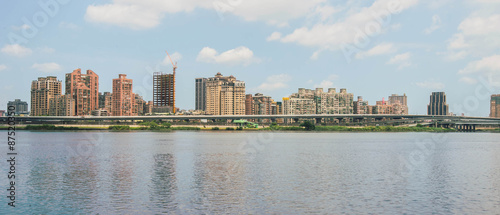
(168, 127)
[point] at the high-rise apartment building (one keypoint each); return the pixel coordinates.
(200, 94)
(495, 106)
(84, 89)
(400, 104)
(42, 91)
(123, 99)
(62, 105)
(105, 102)
(139, 105)
(259, 104)
(225, 95)
(437, 105)
(163, 92)
(21, 107)
(361, 107)
(317, 101)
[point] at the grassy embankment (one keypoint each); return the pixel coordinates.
(306, 126)
(151, 126)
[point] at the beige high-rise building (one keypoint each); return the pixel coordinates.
(400, 104)
(42, 91)
(225, 95)
(317, 101)
(62, 105)
(123, 98)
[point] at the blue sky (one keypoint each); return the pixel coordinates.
(372, 48)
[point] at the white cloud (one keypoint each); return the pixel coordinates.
(2, 67)
(325, 84)
(325, 12)
(69, 25)
(16, 50)
(276, 12)
(431, 84)
(22, 27)
(487, 65)
(238, 56)
(403, 60)
(436, 24)
(176, 56)
(274, 82)
(133, 16)
(350, 30)
(47, 67)
(487, 69)
(381, 49)
(477, 36)
(274, 36)
(144, 14)
(468, 80)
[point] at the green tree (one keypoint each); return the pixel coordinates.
(309, 126)
(166, 125)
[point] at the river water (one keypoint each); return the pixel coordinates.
(204, 172)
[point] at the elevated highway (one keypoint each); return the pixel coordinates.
(459, 122)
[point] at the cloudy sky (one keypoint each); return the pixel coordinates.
(372, 48)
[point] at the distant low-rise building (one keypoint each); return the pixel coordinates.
(21, 107)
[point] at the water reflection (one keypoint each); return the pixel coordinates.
(203, 173)
(163, 183)
(220, 181)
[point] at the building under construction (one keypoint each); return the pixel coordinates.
(163, 92)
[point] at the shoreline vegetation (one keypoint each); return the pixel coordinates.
(166, 127)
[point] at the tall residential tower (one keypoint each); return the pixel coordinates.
(437, 105)
(225, 95)
(42, 91)
(163, 92)
(84, 89)
(123, 99)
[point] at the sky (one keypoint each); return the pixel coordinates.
(371, 48)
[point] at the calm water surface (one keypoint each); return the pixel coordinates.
(254, 173)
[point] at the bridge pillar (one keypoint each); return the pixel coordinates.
(318, 120)
(474, 128)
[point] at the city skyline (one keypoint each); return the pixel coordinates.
(274, 54)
